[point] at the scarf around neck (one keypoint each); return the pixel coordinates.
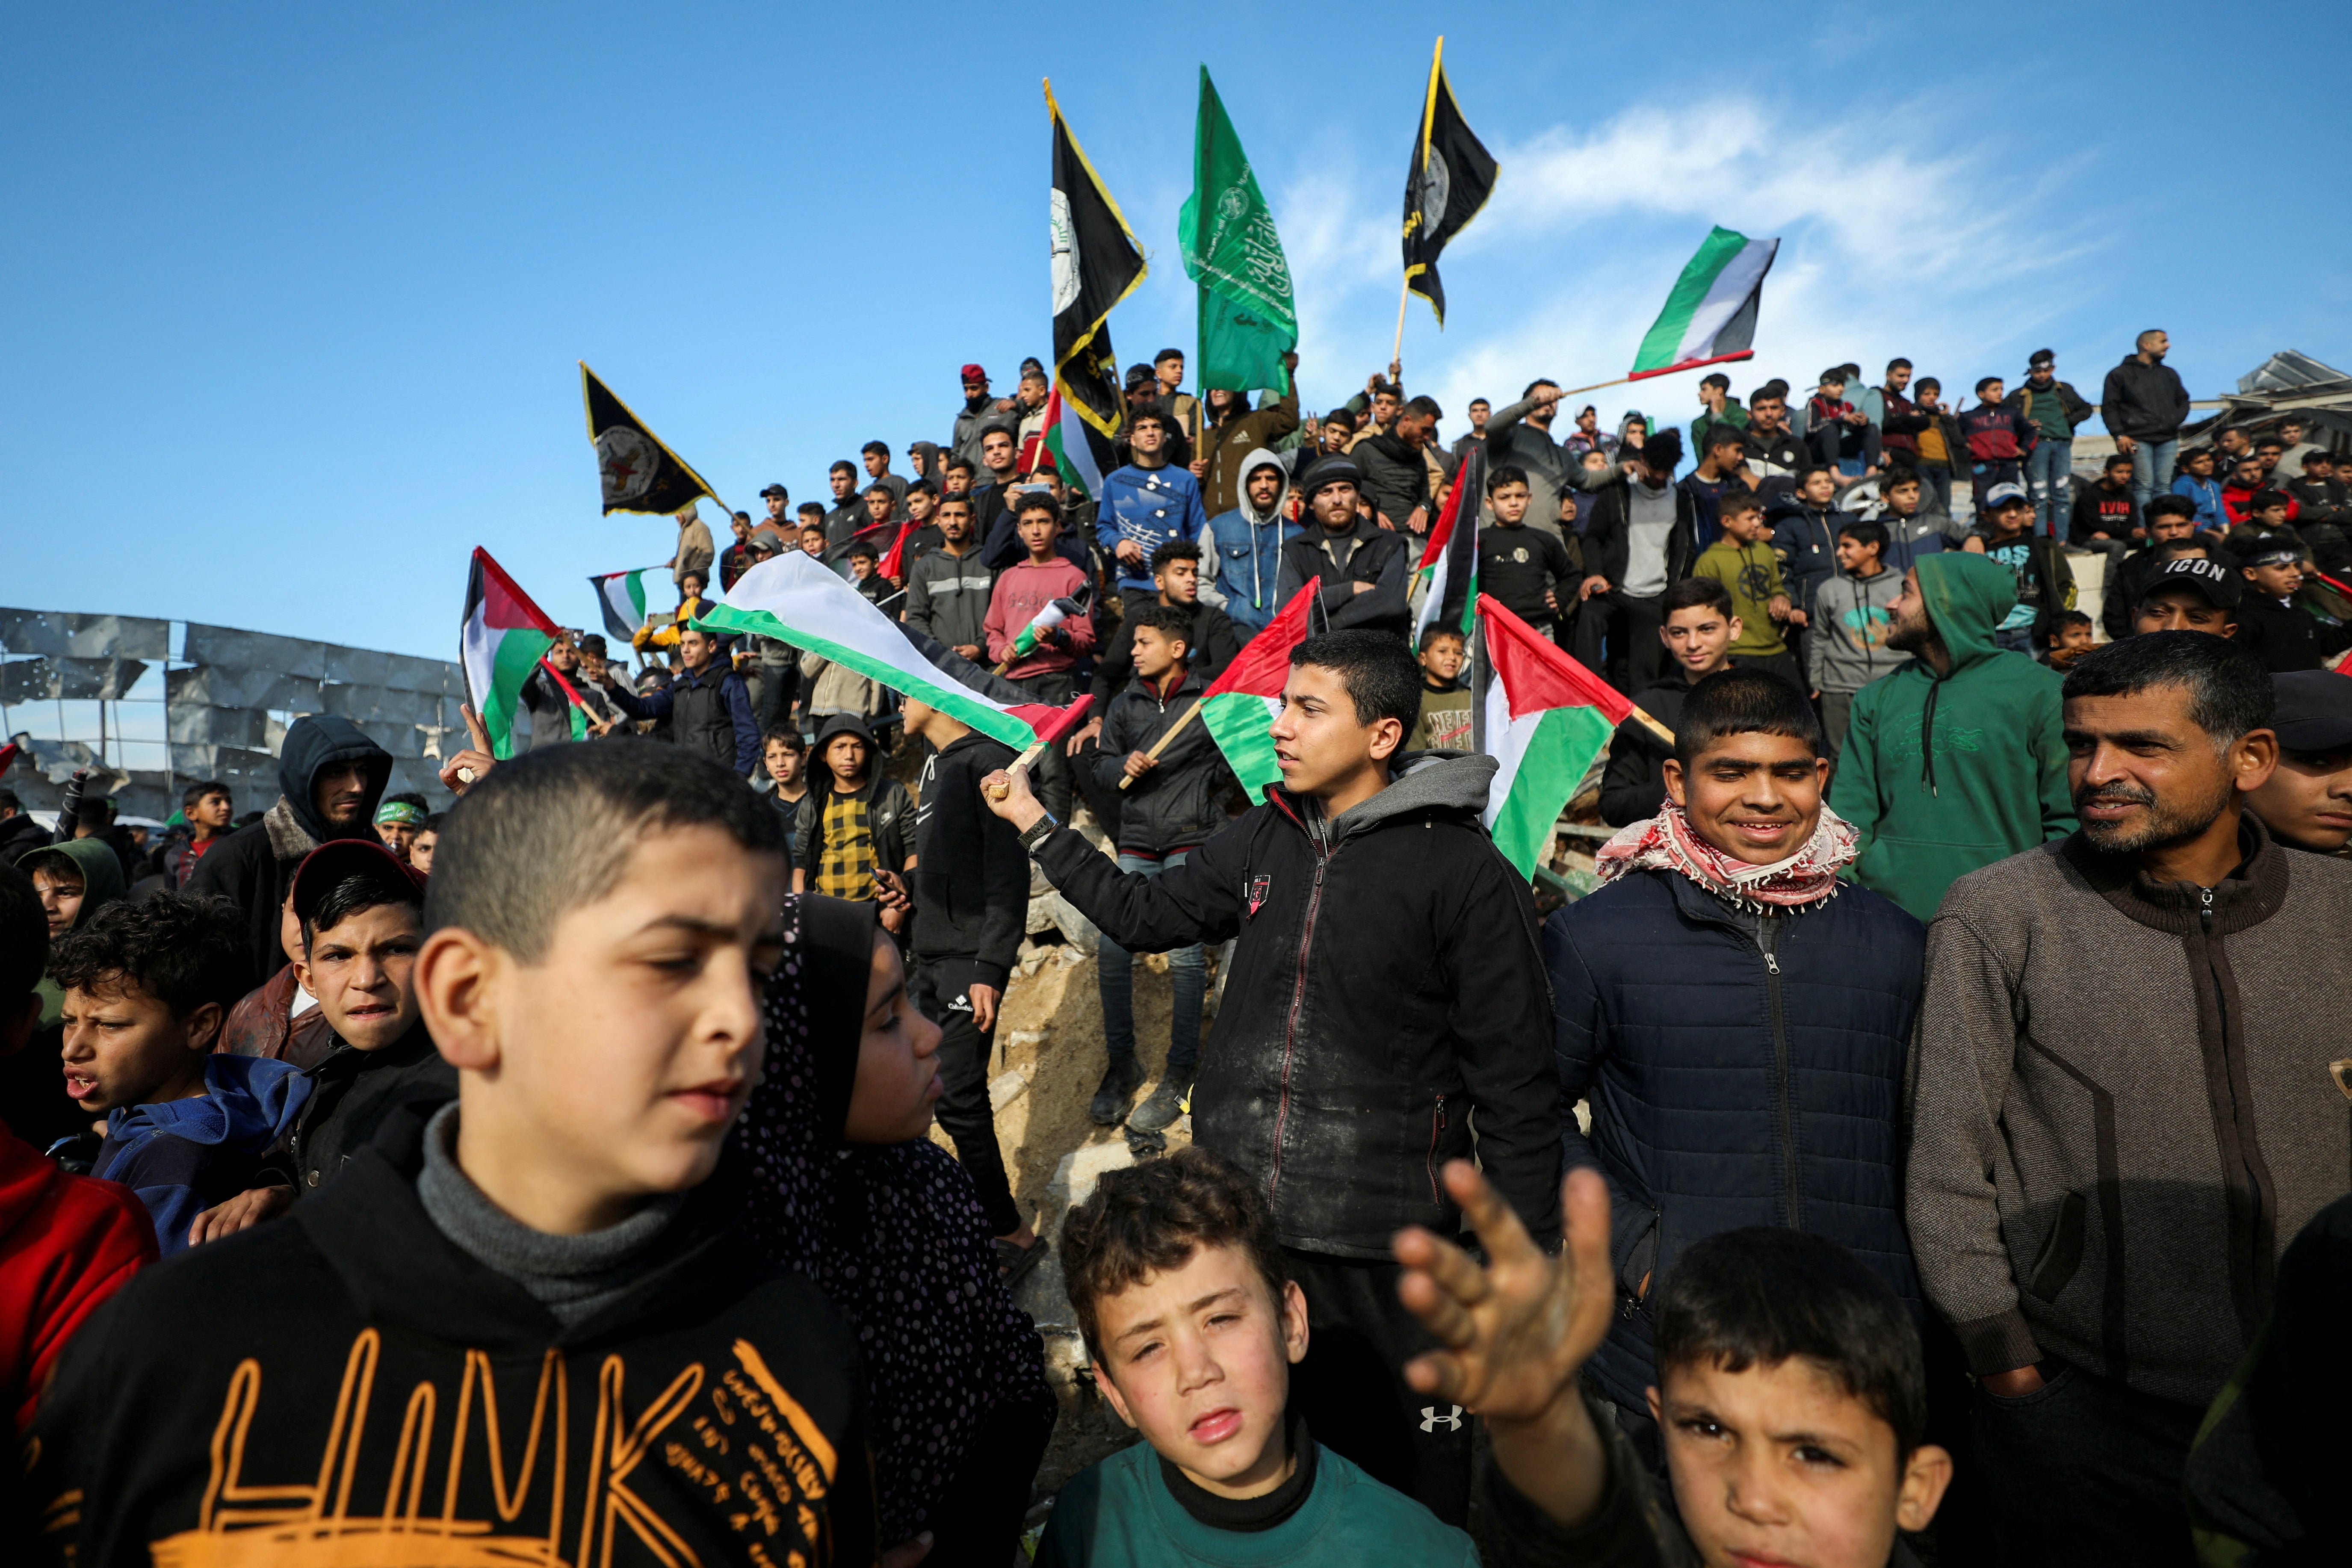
(1667, 842)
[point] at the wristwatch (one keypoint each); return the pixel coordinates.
(1035, 834)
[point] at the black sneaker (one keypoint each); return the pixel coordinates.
(1120, 1080)
(1160, 1108)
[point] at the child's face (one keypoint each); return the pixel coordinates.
(1855, 558)
(60, 893)
(124, 1047)
(1442, 658)
(846, 756)
(610, 1070)
(1754, 796)
(1198, 1359)
(1745, 526)
(2072, 639)
(897, 1060)
(813, 541)
(420, 854)
(1155, 656)
(861, 567)
(1510, 503)
(399, 838)
(786, 764)
(2278, 580)
(1700, 638)
(362, 970)
(1037, 531)
(2270, 517)
(1902, 501)
(1780, 1464)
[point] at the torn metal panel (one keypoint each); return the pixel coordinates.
(64, 635)
(256, 650)
(382, 703)
(41, 679)
(222, 686)
(190, 724)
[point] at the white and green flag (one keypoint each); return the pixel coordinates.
(505, 637)
(1710, 316)
(1547, 717)
(622, 596)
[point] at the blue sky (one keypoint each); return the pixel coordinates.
(295, 293)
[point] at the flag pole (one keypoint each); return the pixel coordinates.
(1421, 167)
(1649, 374)
(1161, 745)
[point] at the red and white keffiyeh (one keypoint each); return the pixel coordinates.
(1667, 842)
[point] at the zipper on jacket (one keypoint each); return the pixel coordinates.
(1767, 934)
(1436, 1127)
(1290, 1024)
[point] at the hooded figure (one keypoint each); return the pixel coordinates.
(33, 1101)
(1946, 770)
(254, 866)
(1241, 550)
(895, 1236)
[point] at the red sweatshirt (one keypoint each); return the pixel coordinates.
(1021, 592)
(67, 1243)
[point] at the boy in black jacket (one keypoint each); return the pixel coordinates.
(1173, 802)
(527, 1325)
(1386, 987)
(971, 895)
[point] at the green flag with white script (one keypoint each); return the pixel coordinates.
(1249, 319)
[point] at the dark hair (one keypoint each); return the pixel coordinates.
(841, 466)
(1984, 382)
(1724, 433)
(1715, 378)
(1896, 478)
(8, 802)
(1341, 417)
(2263, 500)
(357, 893)
(961, 499)
(1692, 593)
(923, 486)
(190, 795)
(24, 936)
(2229, 691)
(432, 824)
(1866, 532)
(1805, 474)
(1173, 550)
(2172, 549)
(878, 488)
(1760, 1296)
(96, 812)
(784, 735)
(1539, 381)
(1386, 389)
(1480, 403)
(1150, 1218)
(953, 464)
(2171, 505)
(183, 948)
(1436, 629)
(1137, 418)
(815, 528)
(1168, 620)
(1928, 383)
(862, 548)
(1732, 502)
(554, 829)
(1427, 407)
(2115, 461)
(1037, 501)
(1743, 702)
(1164, 355)
(1835, 373)
(1895, 365)
(1509, 474)
(872, 447)
(2270, 441)
(1382, 678)
(2058, 621)
(1663, 449)
(1776, 387)
(809, 509)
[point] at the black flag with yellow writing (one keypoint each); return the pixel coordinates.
(1451, 177)
(1095, 264)
(639, 474)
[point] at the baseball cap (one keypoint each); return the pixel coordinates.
(974, 372)
(2220, 586)
(776, 491)
(337, 859)
(2314, 711)
(2002, 494)
(1139, 375)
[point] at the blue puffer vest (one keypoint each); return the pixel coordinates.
(1730, 1087)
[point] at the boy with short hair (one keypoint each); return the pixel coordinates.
(1791, 1394)
(1444, 720)
(551, 1247)
(428, 838)
(853, 820)
(147, 988)
(2065, 638)
(1744, 562)
(1047, 587)
(1851, 616)
(2107, 515)
(1192, 1325)
(784, 756)
(1173, 802)
(208, 807)
(1526, 569)
(1911, 532)
(1700, 629)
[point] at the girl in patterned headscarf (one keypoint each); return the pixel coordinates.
(846, 1187)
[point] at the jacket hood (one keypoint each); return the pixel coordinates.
(1966, 596)
(1262, 457)
(316, 743)
(248, 1103)
(843, 725)
(1425, 781)
(100, 867)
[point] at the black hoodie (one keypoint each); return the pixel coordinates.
(714, 1413)
(253, 867)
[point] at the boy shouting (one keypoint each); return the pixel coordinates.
(523, 1323)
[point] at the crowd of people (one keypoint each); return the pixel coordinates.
(1927, 1143)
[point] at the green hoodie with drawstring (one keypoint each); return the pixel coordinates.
(1943, 773)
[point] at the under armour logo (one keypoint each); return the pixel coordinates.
(1431, 1420)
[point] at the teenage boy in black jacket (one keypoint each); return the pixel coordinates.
(559, 1248)
(1387, 986)
(969, 888)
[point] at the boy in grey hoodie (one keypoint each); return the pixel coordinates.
(1852, 613)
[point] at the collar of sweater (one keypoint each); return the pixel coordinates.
(2251, 894)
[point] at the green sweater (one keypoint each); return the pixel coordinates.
(1942, 774)
(1751, 573)
(1119, 1514)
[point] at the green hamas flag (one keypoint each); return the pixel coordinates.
(1248, 317)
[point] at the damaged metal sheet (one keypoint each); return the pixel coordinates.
(64, 635)
(76, 680)
(235, 649)
(221, 687)
(189, 724)
(379, 702)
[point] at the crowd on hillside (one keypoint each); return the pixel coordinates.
(1928, 1143)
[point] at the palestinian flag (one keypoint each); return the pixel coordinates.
(1240, 707)
(506, 637)
(1710, 317)
(1081, 454)
(893, 563)
(638, 473)
(794, 598)
(1547, 717)
(1449, 567)
(622, 596)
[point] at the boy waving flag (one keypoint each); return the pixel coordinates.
(506, 637)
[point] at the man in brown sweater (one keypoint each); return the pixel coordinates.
(2123, 1110)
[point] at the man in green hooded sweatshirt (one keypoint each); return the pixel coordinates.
(1955, 759)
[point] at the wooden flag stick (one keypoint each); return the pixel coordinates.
(1161, 745)
(1652, 726)
(1404, 298)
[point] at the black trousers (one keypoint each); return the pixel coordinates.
(941, 993)
(2084, 1471)
(1617, 639)
(1351, 1386)
(977, 1523)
